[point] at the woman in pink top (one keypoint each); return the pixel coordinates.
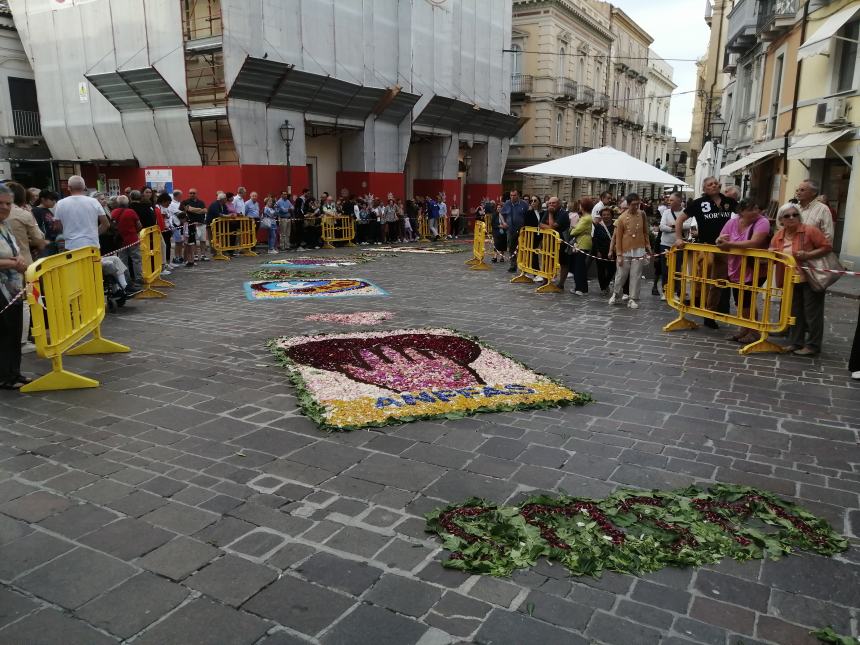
(749, 231)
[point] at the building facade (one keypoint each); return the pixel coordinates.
(23, 153)
(790, 102)
(559, 79)
(657, 142)
(378, 96)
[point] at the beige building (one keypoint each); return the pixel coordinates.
(560, 75)
(657, 143)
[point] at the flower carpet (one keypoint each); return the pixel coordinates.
(355, 318)
(629, 531)
(298, 263)
(355, 380)
(429, 250)
(310, 288)
(283, 274)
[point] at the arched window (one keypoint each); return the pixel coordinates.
(616, 93)
(595, 143)
(559, 127)
(577, 135)
(561, 62)
(581, 73)
(516, 60)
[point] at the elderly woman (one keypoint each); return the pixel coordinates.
(748, 231)
(804, 242)
(12, 268)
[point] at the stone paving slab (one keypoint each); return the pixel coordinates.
(187, 500)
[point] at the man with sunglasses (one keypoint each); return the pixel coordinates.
(195, 212)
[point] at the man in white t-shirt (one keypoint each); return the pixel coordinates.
(605, 200)
(239, 201)
(443, 209)
(79, 218)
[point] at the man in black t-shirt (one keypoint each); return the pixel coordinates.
(712, 210)
(194, 210)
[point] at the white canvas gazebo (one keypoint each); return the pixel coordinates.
(604, 163)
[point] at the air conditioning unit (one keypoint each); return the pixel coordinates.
(832, 113)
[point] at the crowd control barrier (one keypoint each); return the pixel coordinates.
(697, 273)
(423, 228)
(338, 228)
(67, 302)
(151, 260)
(443, 226)
(537, 253)
(477, 262)
(232, 234)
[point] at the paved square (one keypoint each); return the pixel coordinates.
(188, 499)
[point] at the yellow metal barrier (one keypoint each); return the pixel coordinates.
(232, 234)
(423, 228)
(67, 302)
(535, 246)
(443, 227)
(338, 228)
(477, 262)
(700, 270)
(151, 260)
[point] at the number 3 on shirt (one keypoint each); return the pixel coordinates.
(706, 207)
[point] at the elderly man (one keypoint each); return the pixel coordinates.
(81, 219)
(812, 211)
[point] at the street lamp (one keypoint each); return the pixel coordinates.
(287, 133)
(718, 128)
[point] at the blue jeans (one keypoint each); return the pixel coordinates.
(273, 235)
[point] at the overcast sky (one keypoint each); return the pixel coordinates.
(679, 31)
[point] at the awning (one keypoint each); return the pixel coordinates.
(136, 89)
(745, 162)
(819, 42)
(459, 116)
(814, 146)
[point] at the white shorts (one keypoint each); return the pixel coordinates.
(201, 233)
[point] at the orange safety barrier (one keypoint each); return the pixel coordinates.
(698, 271)
(152, 262)
(66, 296)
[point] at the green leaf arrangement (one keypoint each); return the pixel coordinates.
(630, 531)
(828, 635)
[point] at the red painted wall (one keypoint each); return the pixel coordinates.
(379, 184)
(208, 180)
(475, 193)
(451, 188)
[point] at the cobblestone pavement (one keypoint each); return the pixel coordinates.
(187, 499)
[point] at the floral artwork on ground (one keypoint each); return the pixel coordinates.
(361, 379)
(319, 262)
(284, 274)
(356, 318)
(310, 288)
(630, 531)
(429, 250)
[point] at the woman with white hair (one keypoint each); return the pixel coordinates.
(804, 242)
(12, 268)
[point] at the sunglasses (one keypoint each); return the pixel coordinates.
(790, 216)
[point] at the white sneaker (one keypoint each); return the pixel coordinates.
(576, 293)
(631, 304)
(625, 298)
(27, 348)
(663, 297)
(164, 272)
(611, 299)
(856, 375)
(538, 280)
(272, 252)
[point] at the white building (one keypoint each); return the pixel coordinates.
(381, 96)
(22, 149)
(656, 134)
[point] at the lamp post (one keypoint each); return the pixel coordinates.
(287, 133)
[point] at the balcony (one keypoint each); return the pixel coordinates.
(775, 18)
(566, 88)
(26, 123)
(742, 27)
(521, 83)
(601, 103)
(654, 127)
(619, 114)
(584, 96)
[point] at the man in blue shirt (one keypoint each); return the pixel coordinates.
(284, 208)
(433, 217)
(512, 219)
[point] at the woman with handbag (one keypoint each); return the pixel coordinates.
(806, 243)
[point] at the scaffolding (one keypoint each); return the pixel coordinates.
(201, 19)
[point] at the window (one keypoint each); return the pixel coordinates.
(577, 135)
(25, 107)
(516, 140)
(561, 62)
(516, 59)
(559, 126)
(598, 77)
(776, 90)
(846, 57)
(616, 93)
(595, 143)
(581, 74)
(746, 92)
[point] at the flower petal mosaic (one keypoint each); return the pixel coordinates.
(629, 531)
(428, 250)
(360, 379)
(355, 318)
(309, 262)
(310, 288)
